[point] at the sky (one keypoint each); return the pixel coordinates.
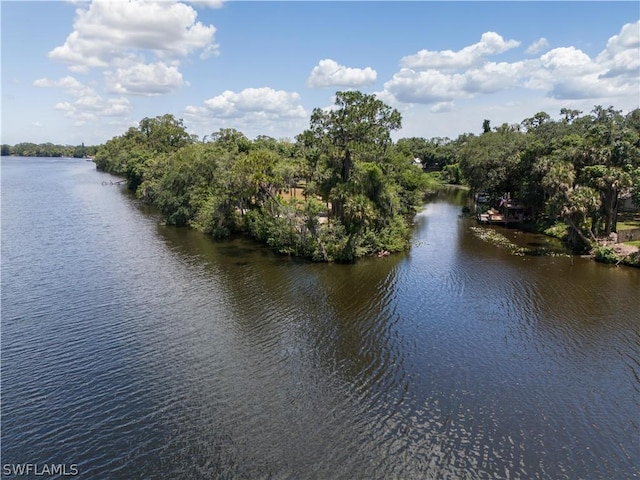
(82, 72)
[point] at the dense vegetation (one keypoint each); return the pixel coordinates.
(340, 191)
(343, 189)
(47, 150)
(572, 170)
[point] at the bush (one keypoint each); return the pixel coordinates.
(605, 255)
(558, 230)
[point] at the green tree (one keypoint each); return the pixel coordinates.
(612, 155)
(164, 133)
(130, 153)
(491, 162)
(357, 129)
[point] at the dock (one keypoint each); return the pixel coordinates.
(508, 214)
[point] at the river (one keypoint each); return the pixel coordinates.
(130, 349)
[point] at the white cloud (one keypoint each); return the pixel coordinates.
(71, 85)
(434, 86)
(621, 57)
(431, 86)
(88, 105)
(569, 73)
(493, 77)
(91, 107)
(193, 111)
(442, 107)
(106, 31)
(207, 3)
(253, 111)
(328, 73)
(538, 46)
(565, 73)
(565, 57)
(144, 79)
(490, 44)
(262, 102)
(137, 43)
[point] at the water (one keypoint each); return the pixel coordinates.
(135, 350)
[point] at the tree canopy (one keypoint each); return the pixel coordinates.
(340, 191)
(27, 149)
(572, 170)
(344, 189)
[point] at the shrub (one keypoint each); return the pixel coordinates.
(605, 255)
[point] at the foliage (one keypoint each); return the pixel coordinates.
(572, 170)
(435, 153)
(557, 230)
(373, 188)
(605, 255)
(359, 193)
(491, 162)
(452, 174)
(343, 189)
(48, 150)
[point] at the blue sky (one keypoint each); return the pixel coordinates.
(77, 72)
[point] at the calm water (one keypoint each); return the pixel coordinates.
(140, 351)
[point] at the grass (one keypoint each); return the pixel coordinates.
(635, 243)
(627, 221)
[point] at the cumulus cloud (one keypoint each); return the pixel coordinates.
(328, 73)
(538, 46)
(144, 79)
(439, 78)
(107, 30)
(490, 44)
(442, 107)
(565, 57)
(434, 86)
(138, 45)
(262, 102)
(493, 77)
(70, 84)
(621, 57)
(207, 3)
(569, 73)
(253, 111)
(91, 107)
(431, 86)
(87, 105)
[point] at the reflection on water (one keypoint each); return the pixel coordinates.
(142, 351)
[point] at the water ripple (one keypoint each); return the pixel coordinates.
(143, 351)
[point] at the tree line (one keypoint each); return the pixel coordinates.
(571, 171)
(340, 191)
(343, 189)
(27, 149)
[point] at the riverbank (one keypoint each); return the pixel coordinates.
(617, 253)
(604, 250)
